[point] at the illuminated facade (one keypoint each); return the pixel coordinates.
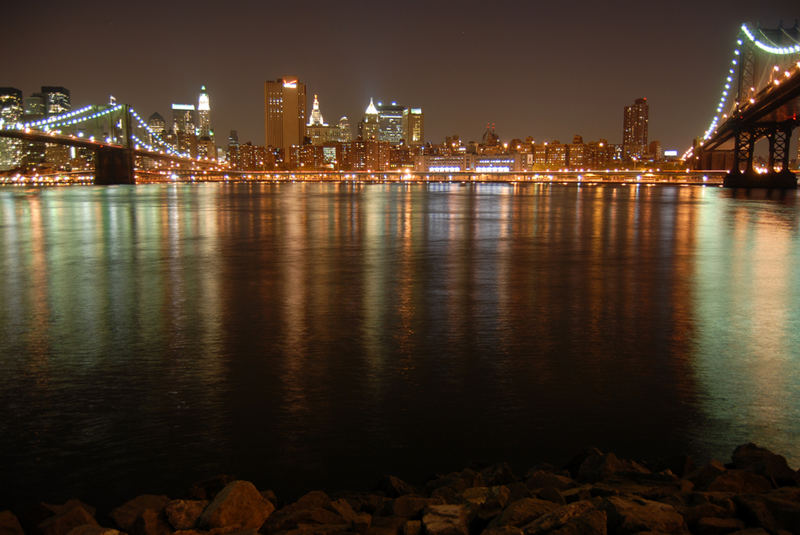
(183, 127)
(204, 115)
(345, 134)
(318, 131)
(369, 127)
(634, 129)
(11, 112)
(413, 126)
(390, 122)
(56, 100)
(284, 113)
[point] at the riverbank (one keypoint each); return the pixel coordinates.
(595, 493)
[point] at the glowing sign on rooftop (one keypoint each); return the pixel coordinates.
(188, 107)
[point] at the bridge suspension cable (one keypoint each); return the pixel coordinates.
(734, 66)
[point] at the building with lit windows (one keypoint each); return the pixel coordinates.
(390, 122)
(11, 112)
(634, 130)
(284, 113)
(318, 131)
(204, 115)
(56, 100)
(183, 127)
(345, 134)
(369, 127)
(413, 126)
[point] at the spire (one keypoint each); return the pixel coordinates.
(316, 116)
(371, 109)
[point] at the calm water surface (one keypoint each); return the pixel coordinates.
(319, 335)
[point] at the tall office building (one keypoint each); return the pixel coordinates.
(56, 100)
(317, 130)
(183, 127)
(390, 122)
(413, 126)
(11, 112)
(345, 134)
(369, 127)
(284, 113)
(634, 129)
(204, 115)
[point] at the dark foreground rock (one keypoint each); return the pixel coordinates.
(597, 493)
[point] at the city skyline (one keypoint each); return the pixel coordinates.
(546, 71)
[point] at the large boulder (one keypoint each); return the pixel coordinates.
(540, 479)
(208, 488)
(445, 520)
(151, 522)
(126, 514)
(574, 519)
(184, 514)
(486, 502)
(394, 486)
(312, 509)
(775, 510)
(63, 522)
(763, 462)
(411, 505)
(598, 466)
(739, 482)
(9, 524)
(628, 515)
(523, 512)
(238, 505)
(718, 526)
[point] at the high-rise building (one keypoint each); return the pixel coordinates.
(56, 100)
(204, 115)
(345, 134)
(634, 129)
(390, 122)
(11, 112)
(183, 127)
(284, 113)
(317, 130)
(233, 139)
(413, 126)
(369, 127)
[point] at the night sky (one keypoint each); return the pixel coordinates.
(545, 69)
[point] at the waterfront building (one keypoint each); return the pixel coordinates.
(599, 155)
(249, 157)
(540, 155)
(369, 127)
(345, 134)
(390, 122)
(11, 112)
(284, 113)
(634, 130)
(413, 126)
(467, 162)
(307, 157)
(556, 155)
(577, 153)
(318, 132)
(183, 126)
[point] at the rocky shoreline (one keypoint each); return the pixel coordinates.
(596, 493)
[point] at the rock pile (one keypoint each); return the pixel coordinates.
(596, 494)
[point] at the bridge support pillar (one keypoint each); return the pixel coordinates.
(113, 166)
(778, 136)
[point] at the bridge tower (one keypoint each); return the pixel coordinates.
(116, 165)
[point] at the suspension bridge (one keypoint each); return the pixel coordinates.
(760, 100)
(124, 146)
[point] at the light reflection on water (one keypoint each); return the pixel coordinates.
(311, 335)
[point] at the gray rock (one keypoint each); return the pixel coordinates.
(184, 514)
(9, 524)
(763, 462)
(238, 505)
(522, 512)
(63, 522)
(633, 515)
(445, 520)
(126, 514)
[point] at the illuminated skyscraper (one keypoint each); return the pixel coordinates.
(317, 130)
(11, 111)
(369, 127)
(634, 129)
(183, 126)
(204, 115)
(390, 122)
(413, 126)
(56, 100)
(284, 113)
(158, 125)
(345, 134)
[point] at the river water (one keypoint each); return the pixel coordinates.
(307, 335)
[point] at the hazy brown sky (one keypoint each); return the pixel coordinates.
(545, 69)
